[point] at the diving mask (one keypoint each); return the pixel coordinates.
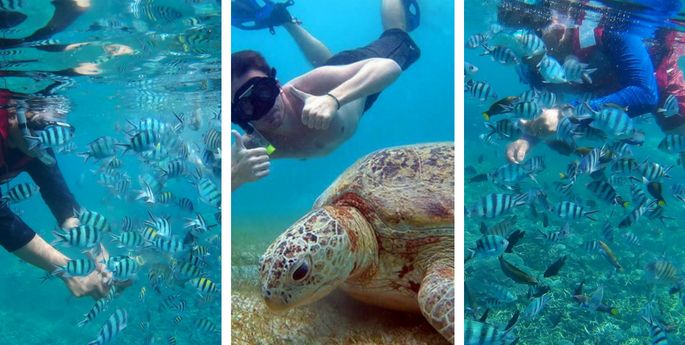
(254, 99)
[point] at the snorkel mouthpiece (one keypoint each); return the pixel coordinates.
(32, 142)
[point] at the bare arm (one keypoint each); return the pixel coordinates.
(344, 84)
(40, 254)
(350, 82)
(313, 49)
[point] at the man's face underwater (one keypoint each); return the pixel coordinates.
(274, 117)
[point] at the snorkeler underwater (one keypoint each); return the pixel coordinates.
(575, 192)
(110, 151)
(342, 178)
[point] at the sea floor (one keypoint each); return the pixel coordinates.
(336, 319)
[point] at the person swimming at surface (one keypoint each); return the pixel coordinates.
(314, 113)
(16, 236)
(626, 67)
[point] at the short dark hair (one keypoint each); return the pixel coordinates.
(246, 60)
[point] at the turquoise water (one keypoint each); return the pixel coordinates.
(418, 107)
(163, 76)
(631, 291)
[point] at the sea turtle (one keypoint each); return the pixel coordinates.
(383, 232)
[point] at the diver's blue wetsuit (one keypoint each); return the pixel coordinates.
(631, 66)
(634, 71)
(14, 233)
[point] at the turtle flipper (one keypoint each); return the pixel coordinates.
(436, 298)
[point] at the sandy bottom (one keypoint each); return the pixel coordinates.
(337, 319)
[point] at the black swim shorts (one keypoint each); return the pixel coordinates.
(393, 44)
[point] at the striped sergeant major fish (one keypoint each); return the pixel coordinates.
(130, 239)
(172, 245)
(670, 106)
(175, 168)
(208, 191)
(577, 72)
(83, 236)
(75, 268)
(161, 224)
(529, 43)
(186, 204)
(535, 306)
(481, 333)
(127, 224)
(605, 192)
(657, 333)
(116, 323)
(479, 89)
(476, 40)
(590, 162)
(21, 192)
(99, 306)
(500, 54)
(166, 197)
(653, 171)
(489, 245)
(122, 268)
(155, 125)
(146, 194)
(469, 70)
(635, 215)
(212, 139)
(206, 326)
(624, 166)
(94, 219)
(672, 143)
(510, 174)
(527, 110)
(571, 211)
(198, 224)
(142, 141)
(102, 147)
(504, 128)
(56, 135)
(612, 119)
(495, 204)
(551, 71)
(186, 271)
(204, 286)
(556, 236)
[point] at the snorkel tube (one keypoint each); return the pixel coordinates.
(257, 138)
(32, 143)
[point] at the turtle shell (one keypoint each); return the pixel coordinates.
(401, 190)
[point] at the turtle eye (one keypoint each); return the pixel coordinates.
(301, 271)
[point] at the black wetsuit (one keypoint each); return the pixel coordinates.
(14, 233)
(395, 44)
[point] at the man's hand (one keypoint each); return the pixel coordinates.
(70, 223)
(318, 111)
(516, 151)
(247, 165)
(98, 282)
(543, 125)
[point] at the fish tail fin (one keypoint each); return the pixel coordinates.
(613, 311)
(59, 238)
(84, 155)
(127, 146)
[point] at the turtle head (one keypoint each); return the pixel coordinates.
(311, 258)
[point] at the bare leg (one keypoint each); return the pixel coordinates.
(392, 13)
